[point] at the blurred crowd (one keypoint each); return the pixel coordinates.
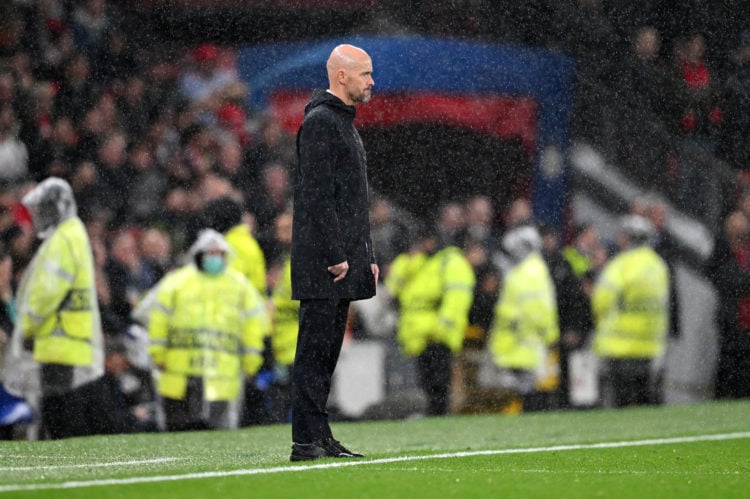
(145, 141)
(148, 139)
(153, 141)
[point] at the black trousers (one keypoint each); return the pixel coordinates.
(192, 413)
(435, 370)
(62, 406)
(322, 324)
(624, 382)
(63, 416)
(733, 374)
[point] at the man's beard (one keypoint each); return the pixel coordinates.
(363, 97)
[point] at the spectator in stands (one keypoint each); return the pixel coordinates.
(196, 153)
(112, 181)
(642, 86)
(451, 223)
(272, 145)
(588, 35)
(76, 94)
(229, 160)
(734, 146)
(12, 28)
(480, 222)
(179, 213)
(519, 212)
(132, 106)
(209, 82)
(156, 252)
(232, 120)
(44, 26)
(694, 89)
(630, 305)
(129, 278)
(90, 26)
(16, 234)
(273, 199)
(642, 73)
(37, 130)
(14, 157)
(147, 183)
(111, 321)
(390, 236)
(729, 269)
(114, 61)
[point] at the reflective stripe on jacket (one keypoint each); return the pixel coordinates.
(206, 326)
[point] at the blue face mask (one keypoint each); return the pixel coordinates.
(212, 264)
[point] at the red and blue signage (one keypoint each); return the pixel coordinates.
(499, 90)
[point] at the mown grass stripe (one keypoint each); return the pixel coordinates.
(366, 462)
(49, 467)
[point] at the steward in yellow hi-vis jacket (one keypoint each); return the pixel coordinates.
(525, 328)
(206, 329)
(58, 315)
(630, 303)
(434, 286)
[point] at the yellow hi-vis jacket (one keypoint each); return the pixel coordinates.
(435, 294)
(206, 326)
(630, 304)
(285, 318)
(526, 322)
(248, 258)
(57, 301)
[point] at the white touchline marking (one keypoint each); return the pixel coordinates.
(91, 465)
(365, 462)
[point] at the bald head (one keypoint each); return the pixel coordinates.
(350, 74)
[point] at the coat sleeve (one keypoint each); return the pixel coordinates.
(319, 146)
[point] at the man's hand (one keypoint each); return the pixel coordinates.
(375, 271)
(339, 270)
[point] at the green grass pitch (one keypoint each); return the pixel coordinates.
(700, 450)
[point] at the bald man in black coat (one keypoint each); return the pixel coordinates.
(332, 255)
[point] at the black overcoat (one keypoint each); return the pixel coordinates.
(331, 204)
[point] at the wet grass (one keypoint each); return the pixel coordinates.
(700, 450)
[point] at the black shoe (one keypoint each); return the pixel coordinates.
(343, 450)
(328, 447)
